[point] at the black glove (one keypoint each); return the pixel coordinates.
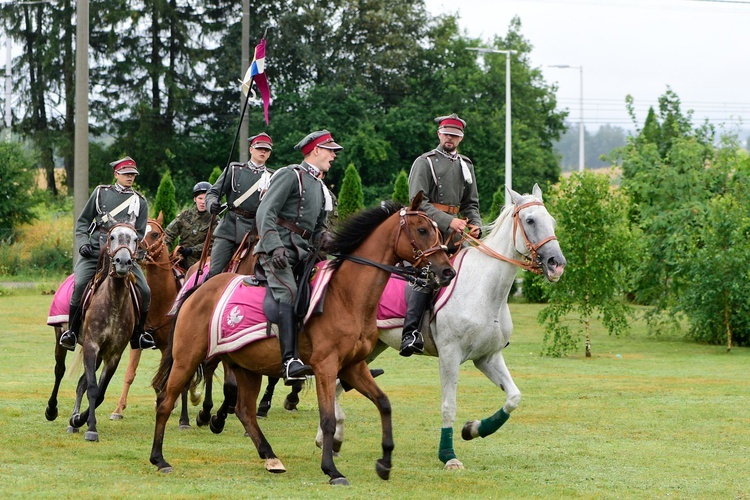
(185, 251)
(86, 251)
(215, 208)
(279, 259)
(326, 241)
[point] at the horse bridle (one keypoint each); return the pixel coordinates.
(419, 255)
(530, 263)
(111, 253)
(154, 250)
(412, 274)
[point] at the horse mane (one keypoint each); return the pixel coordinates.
(350, 234)
(495, 226)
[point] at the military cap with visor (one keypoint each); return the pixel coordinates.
(319, 139)
(124, 166)
(261, 140)
(451, 125)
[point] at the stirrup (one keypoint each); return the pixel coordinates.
(295, 370)
(412, 343)
(65, 340)
(144, 341)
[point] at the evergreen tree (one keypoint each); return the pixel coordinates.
(166, 203)
(401, 189)
(17, 174)
(215, 174)
(351, 199)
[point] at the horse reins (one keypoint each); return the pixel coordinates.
(529, 263)
(154, 250)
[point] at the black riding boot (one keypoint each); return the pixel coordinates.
(293, 368)
(412, 341)
(140, 338)
(69, 337)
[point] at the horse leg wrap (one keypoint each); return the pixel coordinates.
(446, 452)
(489, 425)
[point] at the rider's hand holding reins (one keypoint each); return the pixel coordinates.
(215, 208)
(279, 259)
(86, 251)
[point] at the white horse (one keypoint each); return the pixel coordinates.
(474, 322)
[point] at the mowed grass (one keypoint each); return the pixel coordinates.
(644, 417)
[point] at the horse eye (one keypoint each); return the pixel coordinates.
(530, 221)
(422, 231)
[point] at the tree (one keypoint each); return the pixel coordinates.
(17, 174)
(401, 189)
(595, 236)
(351, 199)
(165, 200)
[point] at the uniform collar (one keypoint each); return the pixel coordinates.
(311, 169)
(122, 189)
(451, 156)
(254, 167)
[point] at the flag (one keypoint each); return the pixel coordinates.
(257, 73)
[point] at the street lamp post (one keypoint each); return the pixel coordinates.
(581, 154)
(508, 170)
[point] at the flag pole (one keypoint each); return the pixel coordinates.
(209, 234)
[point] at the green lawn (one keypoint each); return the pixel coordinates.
(644, 417)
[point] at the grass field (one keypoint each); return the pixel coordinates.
(645, 417)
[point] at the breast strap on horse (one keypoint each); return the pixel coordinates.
(304, 233)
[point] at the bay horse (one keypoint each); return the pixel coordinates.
(473, 322)
(108, 323)
(335, 342)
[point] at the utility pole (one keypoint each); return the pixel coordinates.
(245, 64)
(81, 149)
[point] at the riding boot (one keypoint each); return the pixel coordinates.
(69, 337)
(412, 341)
(142, 339)
(293, 368)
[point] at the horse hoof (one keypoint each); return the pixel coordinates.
(337, 445)
(184, 427)
(262, 415)
(454, 464)
(202, 419)
(165, 470)
(339, 481)
(290, 405)
(384, 472)
(216, 425)
(470, 430)
(116, 416)
(274, 465)
(195, 399)
(50, 413)
(73, 422)
(72, 430)
(91, 436)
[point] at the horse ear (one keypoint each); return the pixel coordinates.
(416, 202)
(537, 191)
(514, 197)
(160, 218)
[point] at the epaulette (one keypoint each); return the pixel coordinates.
(466, 158)
(428, 153)
(140, 195)
(237, 164)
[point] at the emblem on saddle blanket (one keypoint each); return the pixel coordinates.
(392, 304)
(238, 318)
(60, 307)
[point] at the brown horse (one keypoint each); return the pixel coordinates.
(335, 343)
(162, 278)
(108, 323)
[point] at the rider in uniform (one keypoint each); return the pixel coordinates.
(242, 184)
(191, 227)
(450, 199)
(107, 206)
(291, 218)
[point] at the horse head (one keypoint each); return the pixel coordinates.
(122, 241)
(421, 244)
(154, 241)
(534, 233)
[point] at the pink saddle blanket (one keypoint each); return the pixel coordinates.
(238, 318)
(187, 285)
(60, 307)
(392, 304)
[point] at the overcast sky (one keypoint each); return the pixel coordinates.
(638, 47)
